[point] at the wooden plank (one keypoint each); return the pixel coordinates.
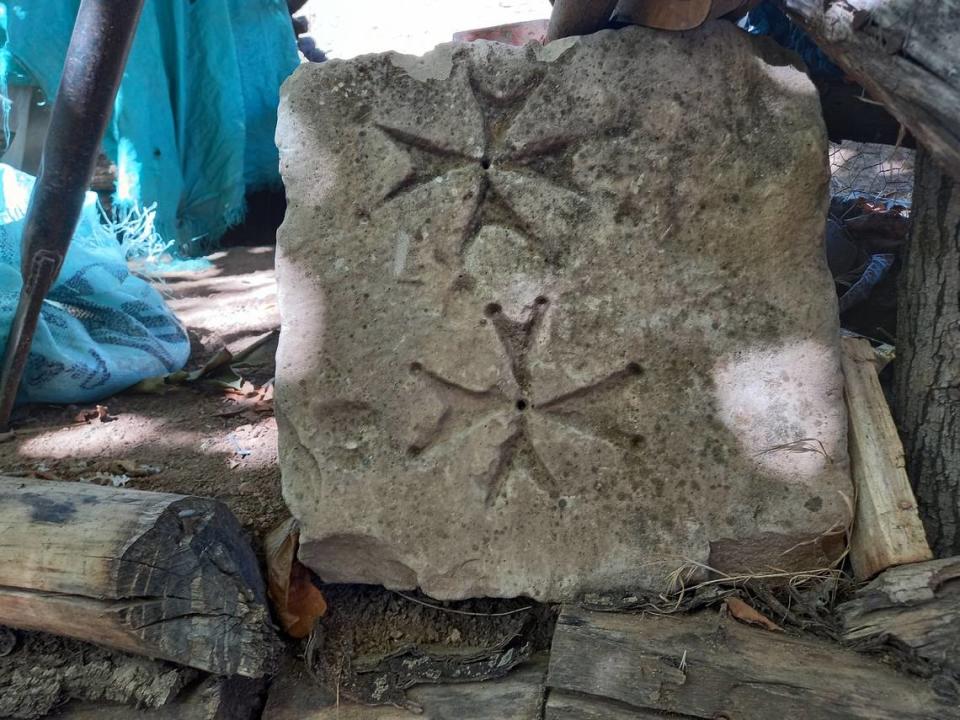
(569, 706)
(709, 667)
(905, 52)
(518, 696)
(887, 529)
(911, 607)
(155, 574)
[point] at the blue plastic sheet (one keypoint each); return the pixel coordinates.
(101, 328)
(193, 127)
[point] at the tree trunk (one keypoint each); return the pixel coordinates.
(928, 354)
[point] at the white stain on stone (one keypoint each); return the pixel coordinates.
(782, 404)
(402, 249)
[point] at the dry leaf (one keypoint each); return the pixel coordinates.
(99, 413)
(297, 600)
(744, 613)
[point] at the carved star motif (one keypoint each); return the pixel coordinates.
(511, 404)
(433, 161)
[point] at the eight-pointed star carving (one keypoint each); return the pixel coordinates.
(511, 404)
(432, 161)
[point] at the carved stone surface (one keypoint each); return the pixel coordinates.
(556, 319)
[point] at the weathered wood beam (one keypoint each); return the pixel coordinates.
(155, 574)
(905, 52)
(912, 607)
(295, 695)
(707, 666)
(887, 530)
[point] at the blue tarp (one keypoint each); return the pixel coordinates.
(101, 328)
(194, 122)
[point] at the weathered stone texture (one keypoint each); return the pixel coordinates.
(556, 320)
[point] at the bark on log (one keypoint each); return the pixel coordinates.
(706, 666)
(40, 673)
(905, 52)
(234, 698)
(155, 574)
(886, 529)
(927, 384)
(912, 607)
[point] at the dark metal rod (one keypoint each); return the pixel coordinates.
(578, 17)
(97, 55)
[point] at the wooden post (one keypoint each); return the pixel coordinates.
(905, 52)
(154, 574)
(887, 529)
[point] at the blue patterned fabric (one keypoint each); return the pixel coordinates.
(193, 126)
(101, 329)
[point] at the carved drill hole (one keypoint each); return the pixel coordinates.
(634, 368)
(415, 367)
(541, 300)
(414, 451)
(492, 309)
(521, 404)
(485, 163)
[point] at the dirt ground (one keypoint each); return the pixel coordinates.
(179, 441)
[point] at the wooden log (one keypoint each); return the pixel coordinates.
(887, 529)
(905, 52)
(155, 574)
(708, 666)
(233, 698)
(294, 695)
(912, 607)
(40, 673)
(569, 706)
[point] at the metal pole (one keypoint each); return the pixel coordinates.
(94, 65)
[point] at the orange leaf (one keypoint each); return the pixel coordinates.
(297, 601)
(746, 614)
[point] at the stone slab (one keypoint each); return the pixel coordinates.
(556, 319)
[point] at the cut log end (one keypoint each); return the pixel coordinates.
(161, 575)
